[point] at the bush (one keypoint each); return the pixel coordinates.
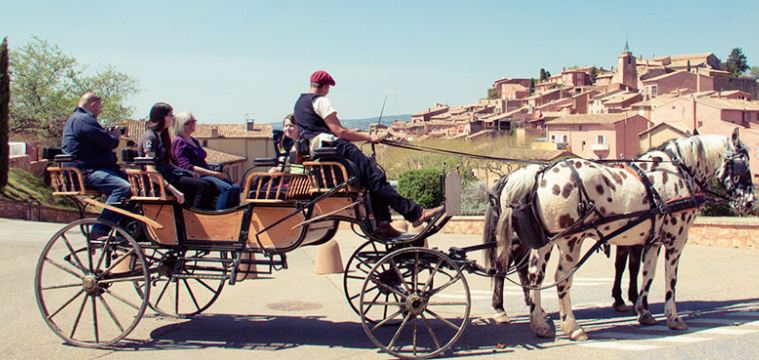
(474, 199)
(422, 186)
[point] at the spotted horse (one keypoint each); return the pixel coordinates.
(649, 201)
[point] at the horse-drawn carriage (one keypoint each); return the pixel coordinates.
(413, 302)
(175, 260)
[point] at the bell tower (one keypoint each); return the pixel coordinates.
(627, 73)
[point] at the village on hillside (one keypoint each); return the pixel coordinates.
(596, 113)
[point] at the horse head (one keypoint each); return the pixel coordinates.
(727, 162)
(735, 175)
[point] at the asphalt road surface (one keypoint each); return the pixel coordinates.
(294, 313)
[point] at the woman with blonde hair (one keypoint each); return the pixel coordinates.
(191, 156)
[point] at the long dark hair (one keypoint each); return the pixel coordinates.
(157, 123)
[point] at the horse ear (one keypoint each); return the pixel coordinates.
(735, 136)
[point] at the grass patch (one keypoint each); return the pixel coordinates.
(23, 186)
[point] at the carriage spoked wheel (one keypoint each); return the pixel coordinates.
(433, 303)
(359, 264)
(181, 283)
(83, 283)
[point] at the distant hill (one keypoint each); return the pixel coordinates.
(362, 124)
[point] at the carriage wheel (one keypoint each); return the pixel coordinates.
(78, 281)
(182, 284)
(359, 264)
(432, 307)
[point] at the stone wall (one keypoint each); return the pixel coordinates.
(36, 212)
(729, 232)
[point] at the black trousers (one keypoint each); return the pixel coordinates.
(198, 193)
(382, 194)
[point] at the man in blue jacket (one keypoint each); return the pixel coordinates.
(92, 147)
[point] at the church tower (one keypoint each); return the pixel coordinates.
(627, 73)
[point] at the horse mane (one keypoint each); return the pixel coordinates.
(697, 148)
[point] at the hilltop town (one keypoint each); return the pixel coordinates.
(603, 114)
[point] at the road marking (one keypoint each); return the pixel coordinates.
(729, 322)
(619, 345)
(727, 331)
(743, 313)
(650, 337)
(702, 330)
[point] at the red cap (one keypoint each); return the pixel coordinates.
(321, 77)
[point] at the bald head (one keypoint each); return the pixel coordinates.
(90, 102)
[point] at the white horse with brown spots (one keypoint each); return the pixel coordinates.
(652, 205)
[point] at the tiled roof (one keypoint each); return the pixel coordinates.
(663, 76)
(234, 131)
(590, 119)
(675, 125)
(622, 98)
(729, 104)
(216, 156)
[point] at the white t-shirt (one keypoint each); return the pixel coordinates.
(323, 107)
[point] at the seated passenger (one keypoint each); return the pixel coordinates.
(156, 142)
(315, 115)
(92, 148)
(289, 132)
(189, 155)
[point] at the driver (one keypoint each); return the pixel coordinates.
(315, 115)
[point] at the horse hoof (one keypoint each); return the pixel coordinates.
(621, 307)
(647, 319)
(578, 335)
(502, 318)
(544, 331)
(677, 324)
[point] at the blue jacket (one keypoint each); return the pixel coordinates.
(86, 139)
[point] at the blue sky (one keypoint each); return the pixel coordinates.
(223, 59)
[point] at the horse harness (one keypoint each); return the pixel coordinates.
(532, 230)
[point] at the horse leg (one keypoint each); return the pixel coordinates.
(619, 269)
(636, 251)
(569, 252)
(501, 317)
(672, 256)
(537, 270)
(650, 256)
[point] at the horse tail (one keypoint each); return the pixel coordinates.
(507, 191)
(492, 216)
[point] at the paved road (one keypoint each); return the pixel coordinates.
(296, 314)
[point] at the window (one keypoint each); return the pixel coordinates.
(601, 139)
(205, 143)
(654, 90)
(579, 127)
(700, 123)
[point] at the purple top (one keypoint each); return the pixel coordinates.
(188, 153)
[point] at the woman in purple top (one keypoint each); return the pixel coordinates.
(188, 154)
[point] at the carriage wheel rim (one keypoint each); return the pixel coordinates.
(419, 296)
(94, 286)
(167, 286)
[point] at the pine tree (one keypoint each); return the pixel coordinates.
(5, 95)
(593, 74)
(532, 85)
(736, 62)
(543, 75)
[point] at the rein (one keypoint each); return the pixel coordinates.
(433, 150)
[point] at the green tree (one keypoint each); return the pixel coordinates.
(543, 75)
(492, 94)
(532, 85)
(4, 108)
(593, 74)
(754, 72)
(47, 83)
(736, 62)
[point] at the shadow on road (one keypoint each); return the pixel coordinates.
(482, 336)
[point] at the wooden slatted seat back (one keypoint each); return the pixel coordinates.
(327, 175)
(147, 185)
(273, 187)
(68, 181)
